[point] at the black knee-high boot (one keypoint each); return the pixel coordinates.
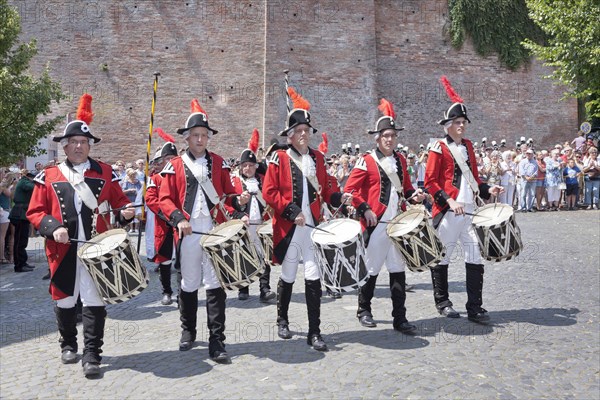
(188, 310)
(66, 319)
(165, 278)
(284, 296)
(474, 288)
(439, 278)
(264, 286)
(215, 320)
(365, 295)
(398, 295)
(93, 333)
(313, 305)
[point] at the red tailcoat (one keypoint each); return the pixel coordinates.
(52, 206)
(177, 193)
(163, 233)
(372, 187)
(282, 190)
(442, 176)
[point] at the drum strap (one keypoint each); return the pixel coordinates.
(392, 177)
(462, 164)
(78, 182)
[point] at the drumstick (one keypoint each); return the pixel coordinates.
(472, 215)
(392, 222)
(124, 207)
(340, 206)
(81, 241)
(207, 234)
(319, 229)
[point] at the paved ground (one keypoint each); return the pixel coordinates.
(543, 343)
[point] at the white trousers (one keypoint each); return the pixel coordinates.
(454, 228)
(196, 265)
(301, 248)
(381, 250)
(84, 287)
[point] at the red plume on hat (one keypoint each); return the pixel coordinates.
(387, 108)
(253, 142)
(297, 100)
(324, 145)
(164, 135)
(197, 108)
(454, 97)
(84, 110)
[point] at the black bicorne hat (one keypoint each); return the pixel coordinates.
(384, 123)
(456, 110)
(194, 120)
(296, 117)
(76, 128)
(168, 149)
(248, 156)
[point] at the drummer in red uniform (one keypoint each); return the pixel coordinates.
(66, 203)
(249, 185)
(163, 233)
(191, 196)
(380, 183)
(451, 177)
(296, 187)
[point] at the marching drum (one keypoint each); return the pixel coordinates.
(416, 239)
(497, 232)
(265, 235)
(340, 254)
(233, 254)
(114, 265)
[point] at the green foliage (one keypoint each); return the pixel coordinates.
(573, 46)
(24, 98)
(495, 26)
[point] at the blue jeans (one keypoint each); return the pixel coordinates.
(527, 195)
(592, 189)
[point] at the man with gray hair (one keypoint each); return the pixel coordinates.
(66, 207)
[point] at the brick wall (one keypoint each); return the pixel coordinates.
(342, 56)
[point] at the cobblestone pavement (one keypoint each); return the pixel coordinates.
(543, 342)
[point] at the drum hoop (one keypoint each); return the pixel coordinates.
(325, 225)
(223, 241)
(402, 215)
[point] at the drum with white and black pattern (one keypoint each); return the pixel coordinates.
(340, 254)
(233, 254)
(497, 231)
(416, 239)
(265, 235)
(114, 265)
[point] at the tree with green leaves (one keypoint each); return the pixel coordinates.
(24, 99)
(572, 47)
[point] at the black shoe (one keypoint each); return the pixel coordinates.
(91, 369)
(68, 357)
(47, 276)
(367, 321)
(333, 295)
(220, 356)
(265, 297)
(405, 327)
(29, 266)
(481, 317)
(166, 299)
(243, 296)
(409, 288)
(316, 341)
(186, 342)
(23, 269)
(449, 312)
(283, 331)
